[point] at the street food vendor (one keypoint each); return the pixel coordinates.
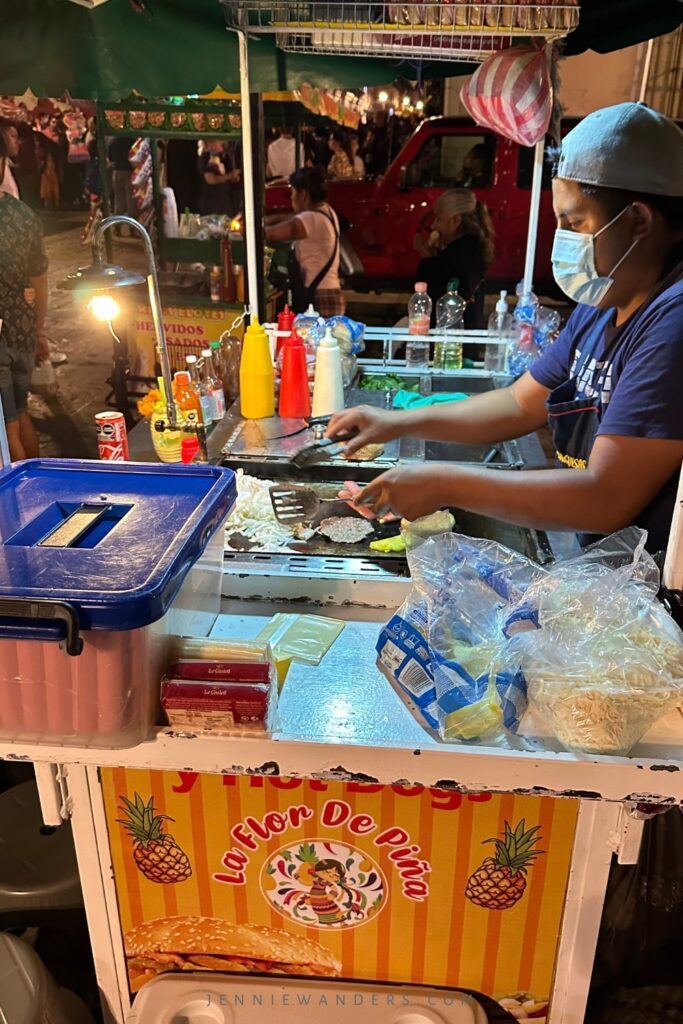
(610, 388)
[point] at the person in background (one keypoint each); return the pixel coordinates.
(23, 271)
(314, 230)
(122, 186)
(341, 164)
(281, 162)
(476, 169)
(220, 179)
(47, 164)
(460, 246)
(10, 135)
(356, 158)
(27, 170)
(318, 153)
(368, 152)
(90, 130)
(93, 185)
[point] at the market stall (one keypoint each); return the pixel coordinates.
(338, 851)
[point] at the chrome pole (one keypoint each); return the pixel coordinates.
(5, 459)
(154, 302)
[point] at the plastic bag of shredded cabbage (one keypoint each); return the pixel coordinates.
(602, 658)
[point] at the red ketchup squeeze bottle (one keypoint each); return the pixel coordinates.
(295, 398)
(285, 322)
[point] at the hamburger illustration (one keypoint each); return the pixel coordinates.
(210, 944)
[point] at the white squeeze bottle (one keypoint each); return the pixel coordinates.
(419, 310)
(502, 328)
(328, 387)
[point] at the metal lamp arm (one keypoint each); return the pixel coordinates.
(154, 301)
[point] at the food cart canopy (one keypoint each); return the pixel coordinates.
(182, 47)
(175, 48)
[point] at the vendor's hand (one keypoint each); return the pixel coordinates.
(372, 426)
(409, 491)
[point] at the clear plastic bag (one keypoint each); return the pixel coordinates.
(445, 652)
(304, 637)
(602, 658)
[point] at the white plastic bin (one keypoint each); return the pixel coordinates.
(211, 998)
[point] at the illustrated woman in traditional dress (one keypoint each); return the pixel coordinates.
(329, 899)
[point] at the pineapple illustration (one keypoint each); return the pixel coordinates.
(500, 881)
(308, 857)
(156, 853)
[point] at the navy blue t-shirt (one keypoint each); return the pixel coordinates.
(636, 371)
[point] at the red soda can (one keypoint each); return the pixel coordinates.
(112, 436)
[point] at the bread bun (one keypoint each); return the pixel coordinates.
(188, 935)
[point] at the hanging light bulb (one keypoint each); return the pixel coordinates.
(420, 105)
(104, 307)
(383, 96)
(406, 101)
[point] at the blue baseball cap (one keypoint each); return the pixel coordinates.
(628, 146)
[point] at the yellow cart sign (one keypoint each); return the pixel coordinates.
(382, 883)
(188, 329)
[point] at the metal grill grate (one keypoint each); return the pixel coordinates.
(450, 30)
(328, 567)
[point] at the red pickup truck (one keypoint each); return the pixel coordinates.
(383, 216)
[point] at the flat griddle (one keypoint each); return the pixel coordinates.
(320, 545)
(531, 543)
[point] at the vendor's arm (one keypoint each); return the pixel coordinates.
(498, 415)
(286, 231)
(638, 449)
(608, 495)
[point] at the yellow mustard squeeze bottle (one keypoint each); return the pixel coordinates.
(257, 376)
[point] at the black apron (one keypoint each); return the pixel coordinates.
(573, 424)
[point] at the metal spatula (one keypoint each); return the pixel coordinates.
(327, 448)
(293, 504)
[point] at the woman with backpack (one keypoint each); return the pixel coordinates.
(314, 258)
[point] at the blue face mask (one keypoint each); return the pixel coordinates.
(574, 269)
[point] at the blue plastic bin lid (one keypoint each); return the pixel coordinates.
(113, 539)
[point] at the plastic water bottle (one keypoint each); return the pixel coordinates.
(213, 387)
(202, 394)
(450, 313)
(419, 320)
(526, 309)
(501, 328)
(419, 310)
